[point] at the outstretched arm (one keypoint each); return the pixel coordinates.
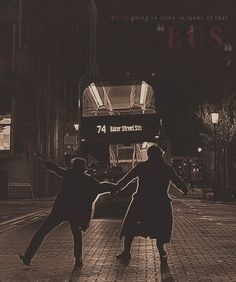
(177, 181)
(51, 165)
(125, 180)
(107, 187)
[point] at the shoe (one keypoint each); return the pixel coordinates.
(124, 256)
(26, 260)
(78, 265)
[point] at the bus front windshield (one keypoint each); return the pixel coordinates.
(104, 99)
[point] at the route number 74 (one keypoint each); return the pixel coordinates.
(101, 129)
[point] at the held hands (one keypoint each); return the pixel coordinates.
(111, 187)
(114, 191)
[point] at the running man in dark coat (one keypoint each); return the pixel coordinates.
(150, 211)
(73, 204)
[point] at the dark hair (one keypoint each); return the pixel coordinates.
(79, 164)
(155, 152)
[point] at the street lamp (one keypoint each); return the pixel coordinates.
(76, 126)
(199, 149)
(215, 121)
(215, 118)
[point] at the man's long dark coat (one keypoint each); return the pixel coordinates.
(77, 193)
(150, 211)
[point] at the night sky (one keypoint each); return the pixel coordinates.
(187, 74)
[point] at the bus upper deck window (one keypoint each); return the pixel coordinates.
(104, 99)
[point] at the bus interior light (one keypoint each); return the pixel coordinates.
(143, 93)
(94, 92)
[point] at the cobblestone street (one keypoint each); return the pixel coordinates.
(203, 248)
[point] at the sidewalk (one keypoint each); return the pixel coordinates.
(203, 248)
(14, 208)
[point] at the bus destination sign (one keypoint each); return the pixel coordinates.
(119, 128)
(103, 129)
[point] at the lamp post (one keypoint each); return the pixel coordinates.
(215, 121)
(76, 126)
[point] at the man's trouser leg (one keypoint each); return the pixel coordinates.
(50, 223)
(77, 236)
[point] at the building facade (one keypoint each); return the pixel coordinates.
(43, 55)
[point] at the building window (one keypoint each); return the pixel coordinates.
(5, 132)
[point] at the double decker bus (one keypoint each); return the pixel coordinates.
(118, 121)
